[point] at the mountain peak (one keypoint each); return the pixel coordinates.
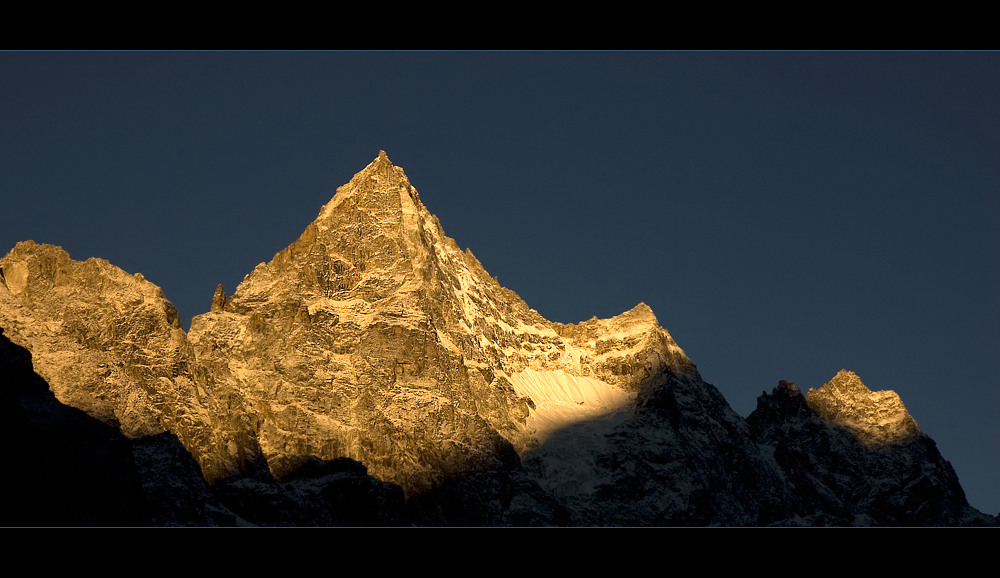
(873, 417)
(392, 323)
(848, 381)
(381, 190)
(381, 165)
(643, 313)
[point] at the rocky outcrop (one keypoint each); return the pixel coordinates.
(111, 344)
(218, 299)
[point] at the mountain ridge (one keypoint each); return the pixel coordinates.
(373, 337)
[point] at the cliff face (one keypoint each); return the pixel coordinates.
(375, 337)
(111, 344)
(335, 343)
(374, 340)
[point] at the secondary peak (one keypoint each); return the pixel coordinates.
(872, 417)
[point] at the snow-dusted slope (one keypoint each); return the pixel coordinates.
(560, 399)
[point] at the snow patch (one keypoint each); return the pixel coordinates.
(562, 399)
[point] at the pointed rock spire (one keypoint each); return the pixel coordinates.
(219, 299)
(381, 166)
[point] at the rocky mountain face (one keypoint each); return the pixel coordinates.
(111, 344)
(374, 373)
(857, 457)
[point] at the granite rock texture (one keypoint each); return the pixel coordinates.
(109, 343)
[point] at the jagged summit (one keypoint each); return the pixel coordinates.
(381, 166)
(873, 417)
(380, 185)
(846, 381)
(376, 297)
(641, 313)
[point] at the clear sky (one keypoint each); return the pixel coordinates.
(785, 214)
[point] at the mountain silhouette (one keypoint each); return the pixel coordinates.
(373, 373)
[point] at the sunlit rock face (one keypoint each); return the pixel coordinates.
(110, 343)
(853, 457)
(873, 417)
(342, 343)
(65, 468)
(373, 336)
(60, 466)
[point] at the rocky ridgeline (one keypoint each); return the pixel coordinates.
(374, 346)
(854, 457)
(111, 344)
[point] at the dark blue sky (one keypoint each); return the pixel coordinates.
(785, 214)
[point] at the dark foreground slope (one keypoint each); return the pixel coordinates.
(69, 469)
(65, 468)
(854, 457)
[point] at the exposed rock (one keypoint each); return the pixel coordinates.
(111, 344)
(16, 277)
(219, 299)
(373, 373)
(375, 337)
(873, 417)
(69, 469)
(853, 457)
